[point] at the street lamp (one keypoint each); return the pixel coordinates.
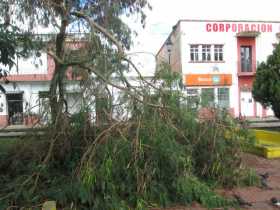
(168, 46)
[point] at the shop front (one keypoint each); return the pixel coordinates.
(209, 90)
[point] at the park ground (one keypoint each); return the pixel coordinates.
(260, 198)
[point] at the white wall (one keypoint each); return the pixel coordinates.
(196, 33)
(30, 94)
(31, 91)
(31, 65)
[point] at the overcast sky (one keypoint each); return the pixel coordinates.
(166, 13)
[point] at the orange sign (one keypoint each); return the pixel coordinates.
(207, 79)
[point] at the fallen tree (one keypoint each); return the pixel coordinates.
(157, 156)
(129, 146)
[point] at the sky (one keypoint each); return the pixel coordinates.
(166, 13)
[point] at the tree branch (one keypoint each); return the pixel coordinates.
(120, 87)
(103, 30)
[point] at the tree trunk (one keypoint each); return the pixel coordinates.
(56, 101)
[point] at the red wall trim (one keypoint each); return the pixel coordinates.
(246, 41)
(3, 120)
(246, 81)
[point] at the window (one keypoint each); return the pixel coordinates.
(218, 53)
(192, 98)
(206, 52)
(246, 58)
(207, 97)
(194, 53)
(223, 97)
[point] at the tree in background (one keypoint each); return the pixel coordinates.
(156, 153)
(14, 43)
(266, 87)
(102, 43)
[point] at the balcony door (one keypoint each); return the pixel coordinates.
(246, 58)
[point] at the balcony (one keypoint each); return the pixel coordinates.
(246, 68)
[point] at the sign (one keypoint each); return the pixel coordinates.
(238, 27)
(207, 79)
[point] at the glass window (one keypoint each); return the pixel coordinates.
(218, 52)
(223, 97)
(192, 91)
(192, 98)
(246, 58)
(194, 52)
(207, 97)
(206, 52)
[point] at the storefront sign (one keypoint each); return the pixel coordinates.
(238, 27)
(207, 79)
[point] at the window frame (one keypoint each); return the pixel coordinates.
(193, 97)
(224, 98)
(218, 52)
(246, 67)
(206, 52)
(194, 53)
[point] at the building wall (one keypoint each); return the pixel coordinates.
(226, 33)
(31, 101)
(36, 64)
(175, 53)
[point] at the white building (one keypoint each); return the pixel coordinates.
(26, 95)
(218, 59)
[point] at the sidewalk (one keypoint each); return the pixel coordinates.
(18, 130)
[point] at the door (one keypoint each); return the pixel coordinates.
(15, 108)
(246, 58)
(247, 103)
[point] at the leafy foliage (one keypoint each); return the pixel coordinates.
(266, 87)
(157, 156)
(150, 149)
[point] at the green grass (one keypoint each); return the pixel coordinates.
(7, 143)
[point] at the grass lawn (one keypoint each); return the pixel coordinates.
(6, 143)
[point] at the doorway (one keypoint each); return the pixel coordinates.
(246, 58)
(247, 104)
(15, 108)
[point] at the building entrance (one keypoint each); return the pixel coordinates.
(15, 108)
(247, 104)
